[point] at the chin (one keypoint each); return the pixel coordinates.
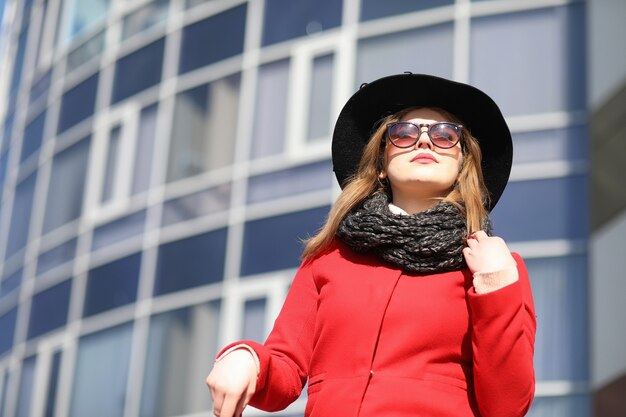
(423, 181)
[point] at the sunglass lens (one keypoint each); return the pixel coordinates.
(444, 135)
(403, 135)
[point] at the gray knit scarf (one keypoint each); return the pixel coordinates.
(428, 242)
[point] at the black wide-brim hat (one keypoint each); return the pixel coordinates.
(361, 115)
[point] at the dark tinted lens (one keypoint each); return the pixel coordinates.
(445, 135)
(403, 135)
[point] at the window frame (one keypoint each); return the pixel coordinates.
(127, 117)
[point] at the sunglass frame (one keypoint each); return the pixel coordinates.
(428, 133)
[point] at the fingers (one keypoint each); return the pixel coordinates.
(216, 396)
(487, 253)
(218, 400)
(229, 406)
(479, 235)
(243, 401)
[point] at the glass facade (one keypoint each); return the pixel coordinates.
(150, 150)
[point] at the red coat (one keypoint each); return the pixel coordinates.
(375, 341)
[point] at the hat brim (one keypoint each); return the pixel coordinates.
(476, 110)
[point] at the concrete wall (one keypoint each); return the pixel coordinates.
(608, 302)
(607, 276)
(607, 54)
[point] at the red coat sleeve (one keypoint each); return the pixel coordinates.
(284, 357)
(503, 339)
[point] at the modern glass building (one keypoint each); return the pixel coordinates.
(161, 160)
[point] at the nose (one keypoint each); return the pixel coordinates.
(423, 141)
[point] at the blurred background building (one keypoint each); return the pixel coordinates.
(160, 160)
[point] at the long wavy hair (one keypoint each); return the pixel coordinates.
(469, 193)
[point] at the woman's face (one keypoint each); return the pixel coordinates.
(422, 171)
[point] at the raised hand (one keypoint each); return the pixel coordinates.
(487, 253)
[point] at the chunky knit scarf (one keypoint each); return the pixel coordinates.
(428, 242)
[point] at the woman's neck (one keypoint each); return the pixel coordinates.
(412, 205)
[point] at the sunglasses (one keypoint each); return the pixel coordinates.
(442, 135)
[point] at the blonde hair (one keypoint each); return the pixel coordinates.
(469, 194)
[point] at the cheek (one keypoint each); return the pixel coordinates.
(389, 155)
(456, 158)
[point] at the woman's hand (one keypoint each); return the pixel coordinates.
(232, 382)
(487, 253)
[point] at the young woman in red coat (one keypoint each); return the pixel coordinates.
(404, 304)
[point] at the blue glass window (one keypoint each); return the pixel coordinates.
(5, 378)
(190, 262)
(20, 219)
(270, 109)
(83, 14)
(7, 330)
(138, 71)
(206, 202)
(213, 39)
(4, 160)
(560, 293)
(49, 309)
(33, 134)
(554, 37)
(192, 3)
(145, 149)
(145, 17)
(78, 103)
(287, 19)
(384, 55)
(119, 230)
(254, 320)
(107, 355)
(285, 233)
(320, 101)
(67, 183)
(182, 345)
(560, 213)
(54, 257)
(203, 117)
(565, 406)
(11, 282)
(85, 52)
(289, 182)
(25, 394)
(18, 63)
(53, 384)
(111, 168)
(37, 46)
(112, 285)
(374, 9)
(41, 87)
(1, 16)
(7, 130)
(551, 145)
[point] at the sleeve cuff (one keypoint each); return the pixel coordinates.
(242, 346)
(486, 282)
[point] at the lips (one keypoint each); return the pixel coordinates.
(424, 158)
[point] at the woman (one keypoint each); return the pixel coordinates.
(395, 311)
